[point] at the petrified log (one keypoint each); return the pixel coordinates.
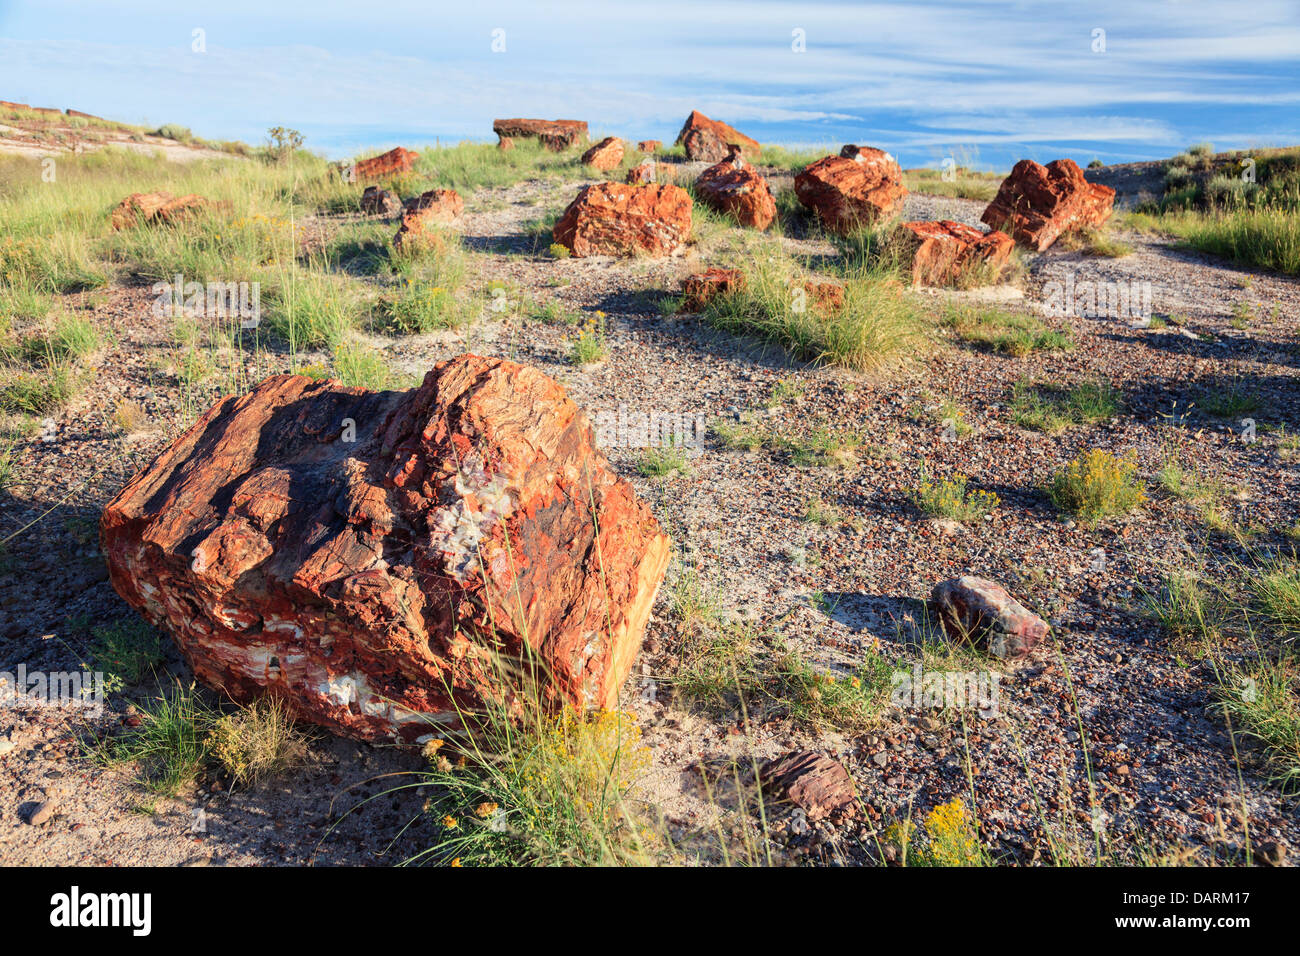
(616, 219)
(396, 160)
(733, 186)
(605, 155)
(856, 188)
(815, 783)
(703, 137)
(380, 559)
(555, 134)
(976, 611)
(946, 253)
(1037, 203)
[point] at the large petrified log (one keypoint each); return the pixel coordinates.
(733, 186)
(616, 219)
(946, 253)
(1036, 203)
(555, 134)
(378, 559)
(707, 139)
(856, 188)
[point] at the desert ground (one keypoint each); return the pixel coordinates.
(804, 545)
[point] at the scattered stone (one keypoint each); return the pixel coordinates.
(976, 611)
(435, 207)
(397, 160)
(1037, 203)
(948, 253)
(859, 187)
(649, 146)
(699, 290)
(735, 187)
(1272, 853)
(826, 296)
(617, 219)
(820, 786)
(642, 174)
(376, 201)
(707, 139)
(357, 553)
(605, 155)
(41, 813)
(7, 747)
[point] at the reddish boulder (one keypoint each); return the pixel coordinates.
(380, 202)
(649, 146)
(735, 187)
(859, 187)
(617, 219)
(159, 209)
(383, 560)
(1037, 203)
(555, 134)
(815, 783)
(642, 173)
(707, 139)
(947, 253)
(391, 163)
(436, 207)
(978, 612)
(700, 289)
(605, 155)
(826, 296)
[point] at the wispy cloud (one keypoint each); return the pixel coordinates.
(1004, 74)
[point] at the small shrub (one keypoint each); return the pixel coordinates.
(256, 742)
(1261, 701)
(590, 344)
(559, 251)
(168, 743)
(1012, 333)
(951, 498)
(1053, 410)
(1097, 485)
(361, 366)
(420, 308)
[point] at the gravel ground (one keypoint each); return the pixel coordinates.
(1163, 769)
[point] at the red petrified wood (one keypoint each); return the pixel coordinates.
(369, 557)
(605, 155)
(555, 134)
(436, 207)
(946, 253)
(707, 139)
(394, 161)
(733, 186)
(699, 290)
(1037, 203)
(856, 188)
(815, 783)
(159, 208)
(976, 611)
(617, 219)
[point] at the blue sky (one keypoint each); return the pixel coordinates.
(990, 81)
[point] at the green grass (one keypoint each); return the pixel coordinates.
(39, 391)
(878, 327)
(125, 651)
(1054, 409)
(1186, 610)
(660, 462)
(360, 366)
(1261, 702)
(1274, 589)
(169, 743)
(421, 307)
(590, 344)
(70, 339)
(1011, 333)
(1228, 401)
(310, 310)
